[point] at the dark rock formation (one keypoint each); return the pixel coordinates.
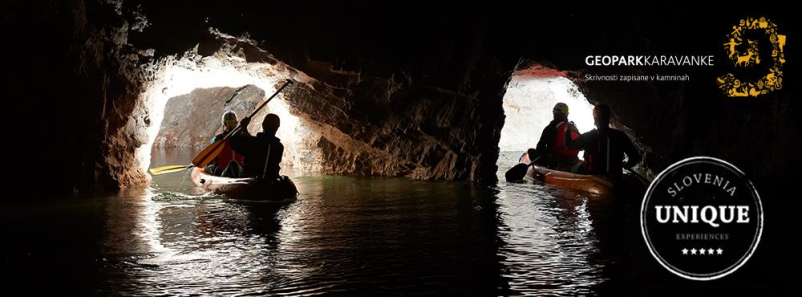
(78, 77)
(413, 133)
(415, 91)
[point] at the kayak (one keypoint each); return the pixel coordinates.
(278, 189)
(593, 184)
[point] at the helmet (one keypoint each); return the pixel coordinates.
(230, 119)
(561, 108)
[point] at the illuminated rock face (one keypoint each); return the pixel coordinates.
(191, 120)
(379, 127)
(390, 131)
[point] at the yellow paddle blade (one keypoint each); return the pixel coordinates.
(209, 153)
(171, 167)
(168, 169)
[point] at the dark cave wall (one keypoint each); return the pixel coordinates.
(684, 120)
(74, 72)
(417, 87)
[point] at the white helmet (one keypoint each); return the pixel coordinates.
(230, 119)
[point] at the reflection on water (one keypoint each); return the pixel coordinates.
(181, 247)
(343, 235)
(548, 242)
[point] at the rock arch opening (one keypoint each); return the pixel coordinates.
(181, 107)
(528, 102)
(345, 123)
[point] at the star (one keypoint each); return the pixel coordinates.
(710, 251)
(701, 251)
(684, 251)
(719, 251)
(693, 251)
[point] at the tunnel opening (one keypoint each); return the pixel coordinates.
(181, 108)
(528, 102)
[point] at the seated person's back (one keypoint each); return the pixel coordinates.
(262, 152)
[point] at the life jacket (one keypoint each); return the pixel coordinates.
(560, 151)
(228, 154)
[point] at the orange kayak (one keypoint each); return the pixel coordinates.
(593, 184)
(246, 188)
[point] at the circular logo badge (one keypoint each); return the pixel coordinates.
(701, 218)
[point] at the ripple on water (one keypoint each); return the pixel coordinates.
(548, 240)
(178, 196)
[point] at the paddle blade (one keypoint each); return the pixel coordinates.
(209, 153)
(164, 168)
(517, 172)
(168, 169)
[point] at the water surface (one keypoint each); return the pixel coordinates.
(343, 235)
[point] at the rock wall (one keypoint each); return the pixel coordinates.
(79, 79)
(191, 120)
(416, 91)
(413, 133)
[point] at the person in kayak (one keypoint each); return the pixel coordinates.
(551, 148)
(605, 147)
(228, 163)
(262, 152)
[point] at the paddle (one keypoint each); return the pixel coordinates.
(518, 172)
(210, 153)
(167, 169)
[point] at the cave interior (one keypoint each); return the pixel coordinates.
(417, 91)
